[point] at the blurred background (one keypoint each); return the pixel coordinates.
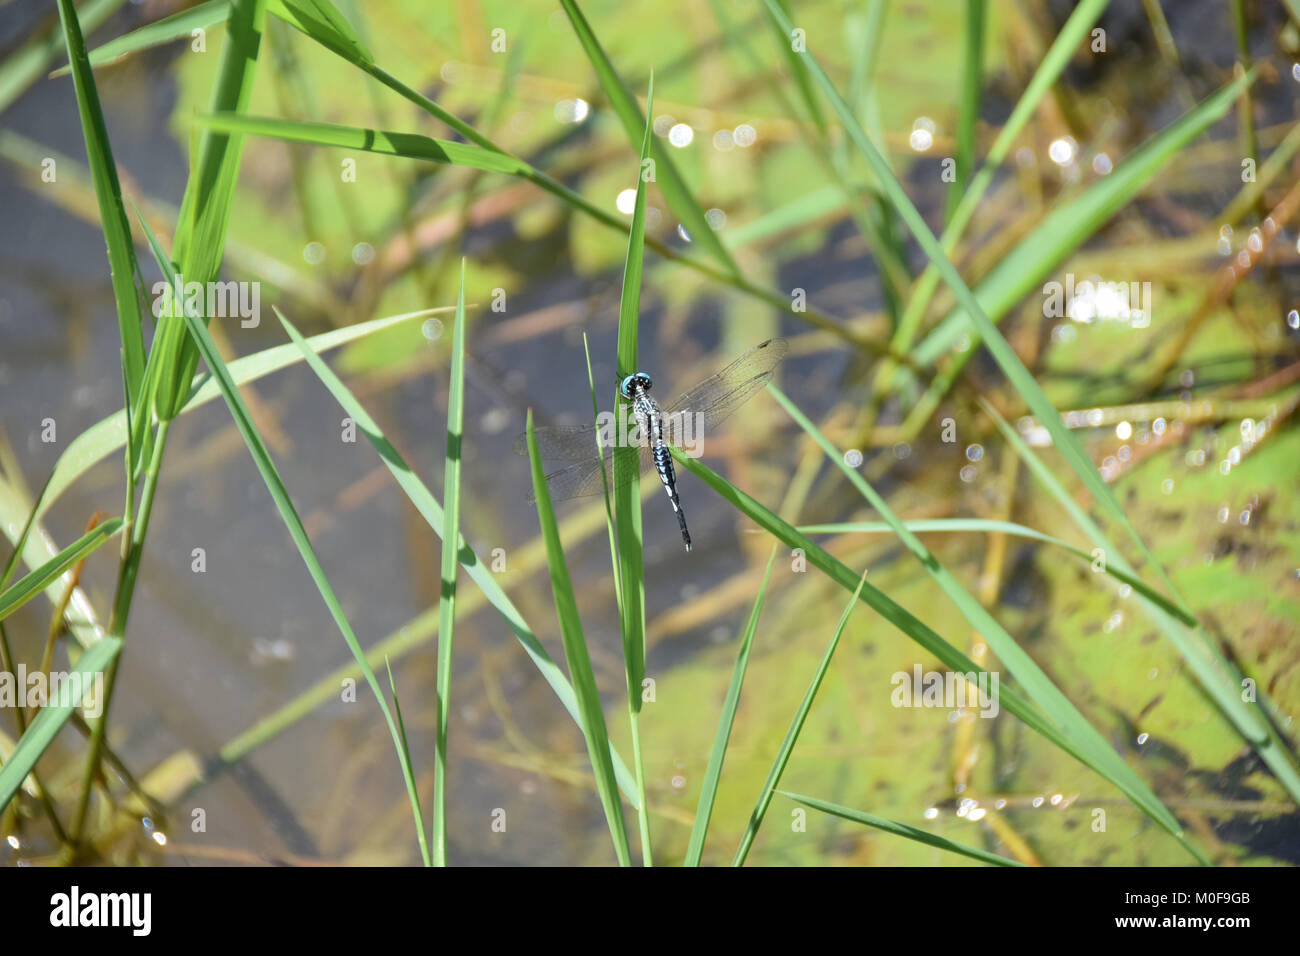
(228, 698)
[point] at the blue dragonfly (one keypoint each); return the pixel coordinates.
(642, 445)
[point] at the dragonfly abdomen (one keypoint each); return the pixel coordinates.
(651, 421)
(663, 459)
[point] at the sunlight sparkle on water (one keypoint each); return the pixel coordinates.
(922, 137)
(681, 135)
(1063, 150)
(571, 111)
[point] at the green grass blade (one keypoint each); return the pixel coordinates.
(315, 18)
(205, 208)
(27, 64)
(627, 496)
(322, 21)
(20, 542)
(414, 146)
(406, 751)
(1003, 527)
(450, 564)
(128, 290)
(604, 481)
(40, 734)
(969, 112)
(109, 434)
(901, 829)
(431, 511)
(575, 653)
(406, 145)
(792, 735)
(165, 30)
(674, 188)
(802, 81)
(910, 625)
(726, 720)
(872, 222)
(266, 467)
(36, 581)
(627, 492)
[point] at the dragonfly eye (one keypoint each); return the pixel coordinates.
(639, 380)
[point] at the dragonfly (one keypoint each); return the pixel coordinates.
(643, 445)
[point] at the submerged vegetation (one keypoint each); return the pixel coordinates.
(1000, 568)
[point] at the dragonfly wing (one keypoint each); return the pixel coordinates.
(562, 442)
(589, 477)
(719, 395)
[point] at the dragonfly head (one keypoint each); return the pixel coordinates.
(640, 382)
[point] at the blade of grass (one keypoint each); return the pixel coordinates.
(575, 653)
(315, 18)
(40, 734)
(1001, 527)
(157, 33)
(25, 65)
(109, 434)
(726, 720)
(406, 145)
(431, 511)
(128, 289)
(901, 829)
(627, 490)
(919, 632)
(266, 467)
(872, 222)
(779, 300)
(447, 597)
(414, 146)
(322, 21)
(675, 190)
(792, 735)
(604, 482)
(34, 582)
(200, 238)
(406, 752)
(969, 112)
(34, 546)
